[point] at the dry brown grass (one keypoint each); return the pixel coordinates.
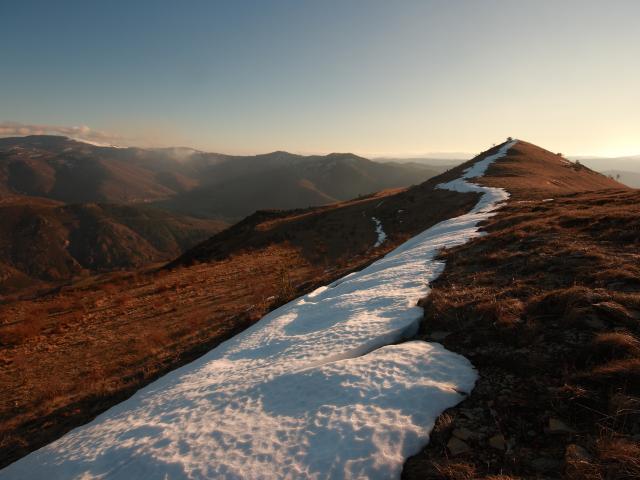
(529, 171)
(455, 471)
(547, 307)
(616, 374)
(104, 339)
(619, 458)
(17, 333)
(443, 423)
(30, 322)
(614, 345)
(505, 312)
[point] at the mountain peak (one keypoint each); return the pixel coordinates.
(531, 171)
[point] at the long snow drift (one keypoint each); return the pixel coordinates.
(313, 390)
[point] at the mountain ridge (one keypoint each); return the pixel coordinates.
(125, 330)
(524, 165)
(43, 241)
(189, 181)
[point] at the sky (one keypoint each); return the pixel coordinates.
(378, 78)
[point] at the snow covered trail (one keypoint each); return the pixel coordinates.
(313, 390)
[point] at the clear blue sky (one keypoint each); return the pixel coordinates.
(373, 77)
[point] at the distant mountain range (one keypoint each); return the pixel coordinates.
(624, 169)
(631, 179)
(280, 180)
(189, 181)
(629, 163)
(442, 160)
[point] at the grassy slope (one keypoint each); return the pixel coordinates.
(107, 336)
(547, 307)
(122, 331)
(49, 242)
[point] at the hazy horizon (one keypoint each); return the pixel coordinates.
(374, 78)
(444, 158)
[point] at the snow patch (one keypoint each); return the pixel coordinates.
(94, 143)
(380, 232)
(313, 390)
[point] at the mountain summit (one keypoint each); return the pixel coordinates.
(529, 170)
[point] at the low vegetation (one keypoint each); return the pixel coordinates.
(69, 355)
(44, 244)
(547, 307)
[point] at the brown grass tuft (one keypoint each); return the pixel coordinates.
(503, 312)
(443, 423)
(613, 345)
(620, 374)
(455, 471)
(572, 304)
(619, 457)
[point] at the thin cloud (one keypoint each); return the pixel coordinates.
(82, 132)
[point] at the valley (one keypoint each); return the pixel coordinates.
(193, 183)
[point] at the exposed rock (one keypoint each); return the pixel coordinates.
(457, 446)
(498, 442)
(463, 433)
(558, 426)
(472, 413)
(439, 335)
